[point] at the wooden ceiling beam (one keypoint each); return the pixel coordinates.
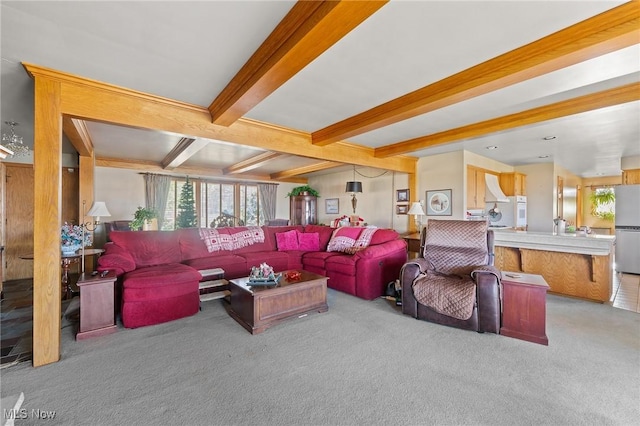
(252, 163)
(93, 100)
(305, 169)
(184, 149)
(593, 101)
(78, 134)
(207, 172)
(309, 29)
(604, 33)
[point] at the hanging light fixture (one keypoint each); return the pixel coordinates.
(353, 187)
(13, 142)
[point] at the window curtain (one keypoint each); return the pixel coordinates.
(156, 188)
(268, 194)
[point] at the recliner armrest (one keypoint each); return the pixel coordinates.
(488, 298)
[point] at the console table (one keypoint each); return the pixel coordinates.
(524, 307)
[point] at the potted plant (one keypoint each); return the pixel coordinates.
(303, 190)
(142, 219)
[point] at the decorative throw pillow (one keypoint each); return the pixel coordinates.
(308, 241)
(287, 240)
(344, 239)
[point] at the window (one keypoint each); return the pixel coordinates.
(603, 203)
(213, 199)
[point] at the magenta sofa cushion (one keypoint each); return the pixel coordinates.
(191, 244)
(278, 260)
(234, 266)
(383, 235)
(287, 240)
(324, 234)
(308, 241)
(149, 248)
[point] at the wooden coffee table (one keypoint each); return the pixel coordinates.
(258, 308)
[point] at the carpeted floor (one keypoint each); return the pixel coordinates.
(360, 363)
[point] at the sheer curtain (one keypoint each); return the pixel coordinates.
(156, 188)
(268, 194)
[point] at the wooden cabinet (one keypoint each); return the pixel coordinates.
(97, 313)
(631, 177)
(475, 188)
(513, 183)
(303, 210)
(524, 307)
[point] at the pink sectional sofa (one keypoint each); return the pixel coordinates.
(158, 270)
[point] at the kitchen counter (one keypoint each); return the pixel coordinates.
(592, 244)
(573, 265)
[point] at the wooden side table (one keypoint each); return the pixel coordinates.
(524, 307)
(97, 313)
(413, 244)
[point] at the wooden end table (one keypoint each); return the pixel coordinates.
(258, 308)
(524, 307)
(97, 313)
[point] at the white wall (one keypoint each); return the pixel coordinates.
(444, 171)
(376, 204)
(630, 163)
(122, 190)
(541, 196)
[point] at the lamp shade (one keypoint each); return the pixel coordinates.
(354, 187)
(416, 209)
(98, 209)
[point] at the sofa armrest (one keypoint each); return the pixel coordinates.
(117, 262)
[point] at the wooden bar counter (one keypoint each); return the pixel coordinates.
(572, 265)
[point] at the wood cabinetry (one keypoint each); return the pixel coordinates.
(631, 177)
(524, 307)
(303, 210)
(513, 183)
(475, 188)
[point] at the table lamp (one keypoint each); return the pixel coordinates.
(98, 209)
(417, 211)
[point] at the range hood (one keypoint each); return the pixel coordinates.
(493, 192)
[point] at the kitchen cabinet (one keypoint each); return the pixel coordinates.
(513, 183)
(475, 188)
(303, 210)
(631, 177)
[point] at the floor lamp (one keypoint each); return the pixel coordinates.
(98, 209)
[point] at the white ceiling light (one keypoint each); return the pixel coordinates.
(14, 142)
(549, 138)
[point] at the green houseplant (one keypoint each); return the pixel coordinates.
(303, 190)
(141, 216)
(602, 201)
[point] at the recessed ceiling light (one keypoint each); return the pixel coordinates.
(543, 156)
(548, 138)
(491, 147)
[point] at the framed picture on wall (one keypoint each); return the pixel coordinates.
(332, 205)
(439, 202)
(402, 209)
(402, 196)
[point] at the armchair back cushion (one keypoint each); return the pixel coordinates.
(456, 246)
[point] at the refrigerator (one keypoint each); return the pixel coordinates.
(627, 223)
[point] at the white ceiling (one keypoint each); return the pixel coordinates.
(189, 51)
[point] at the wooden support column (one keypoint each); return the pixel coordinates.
(413, 197)
(47, 165)
(86, 192)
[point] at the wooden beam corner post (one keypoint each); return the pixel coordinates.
(47, 165)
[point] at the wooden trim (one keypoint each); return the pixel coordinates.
(593, 101)
(607, 32)
(252, 163)
(308, 30)
(324, 165)
(47, 166)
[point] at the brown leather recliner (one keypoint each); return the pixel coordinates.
(454, 281)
